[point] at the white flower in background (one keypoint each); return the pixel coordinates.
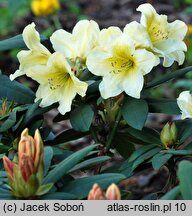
(78, 44)
(121, 65)
(36, 55)
(184, 102)
(155, 33)
(57, 82)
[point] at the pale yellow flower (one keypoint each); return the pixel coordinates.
(155, 33)
(120, 64)
(78, 44)
(58, 83)
(36, 55)
(44, 7)
(184, 102)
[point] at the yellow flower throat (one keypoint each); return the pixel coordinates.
(157, 32)
(58, 80)
(122, 61)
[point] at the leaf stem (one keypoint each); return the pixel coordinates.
(56, 21)
(94, 134)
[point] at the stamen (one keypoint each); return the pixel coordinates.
(120, 65)
(58, 81)
(158, 32)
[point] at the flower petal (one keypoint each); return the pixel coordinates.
(184, 102)
(86, 33)
(78, 44)
(96, 62)
(111, 85)
(148, 13)
(80, 86)
(178, 30)
(107, 36)
(32, 39)
(133, 83)
(68, 94)
(65, 43)
(145, 60)
(138, 34)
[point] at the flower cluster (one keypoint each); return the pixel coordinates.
(120, 58)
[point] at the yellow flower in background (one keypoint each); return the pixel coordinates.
(37, 53)
(44, 7)
(58, 83)
(26, 175)
(121, 65)
(188, 35)
(83, 39)
(184, 102)
(156, 34)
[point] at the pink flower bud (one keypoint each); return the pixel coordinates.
(26, 166)
(96, 193)
(113, 192)
(9, 166)
(33, 147)
(26, 175)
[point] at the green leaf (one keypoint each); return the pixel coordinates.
(9, 122)
(166, 106)
(43, 189)
(15, 42)
(3, 174)
(121, 142)
(4, 148)
(185, 176)
(160, 159)
(48, 155)
(81, 187)
(184, 129)
(147, 135)
(178, 152)
(64, 166)
(126, 169)
(90, 163)
(66, 136)
(172, 194)
(14, 91)
(135, 112)
(6, 197)
(59, 196)
(147, 155)
(81, 118)
(34, 113)
(169, 76)
(140, 151)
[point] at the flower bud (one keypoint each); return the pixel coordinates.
(26, 166)
(113, 192)
(168, 135)
(33, 147)
(26, 174)
(96, 193)
(5, 107)
(9, 166)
